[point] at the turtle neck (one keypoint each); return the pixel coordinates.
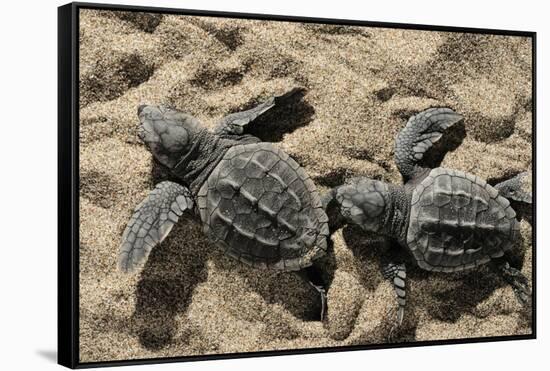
(207, 151)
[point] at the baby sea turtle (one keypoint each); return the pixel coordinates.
(448, 220)
(253, 200)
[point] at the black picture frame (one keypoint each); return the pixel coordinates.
(68, 181)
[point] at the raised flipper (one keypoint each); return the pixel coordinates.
(420, 133)
(397, 275)
(512, 189)
(235, 123)
(151, 222)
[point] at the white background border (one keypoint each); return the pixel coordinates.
(28, 185)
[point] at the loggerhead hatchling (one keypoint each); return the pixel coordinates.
(253, 200)
(448, 220)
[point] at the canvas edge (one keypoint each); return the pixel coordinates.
(67, 233)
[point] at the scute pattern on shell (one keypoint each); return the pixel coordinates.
(458, 221)
(262, 208)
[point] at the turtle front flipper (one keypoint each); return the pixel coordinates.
(235, 123)
(419, 134)
(151, 222)
(512, 189)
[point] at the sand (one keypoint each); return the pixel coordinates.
(361, 86)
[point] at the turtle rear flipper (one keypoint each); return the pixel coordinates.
(312, 275)
(512, 189)
(516, 279)
(151, 222)
(235, 123)
(419, 134)
(397, 275)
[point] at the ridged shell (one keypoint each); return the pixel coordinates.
(261, 207)
(458, 221)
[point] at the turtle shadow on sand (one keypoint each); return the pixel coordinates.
(303, 302)
(471, 287)
(291, 113)
(372, 253)
(166, 285)
(174, 269)
(453, 138)
(286, 289)
(369, 250)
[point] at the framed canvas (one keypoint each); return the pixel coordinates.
(237, 185)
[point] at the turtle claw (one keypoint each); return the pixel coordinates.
(400, 315)
(392, 334)
(396, 324)
(313, 277)
(323, 295)
(521, 289)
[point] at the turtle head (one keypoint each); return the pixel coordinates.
(167, 132)
(364, 202)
